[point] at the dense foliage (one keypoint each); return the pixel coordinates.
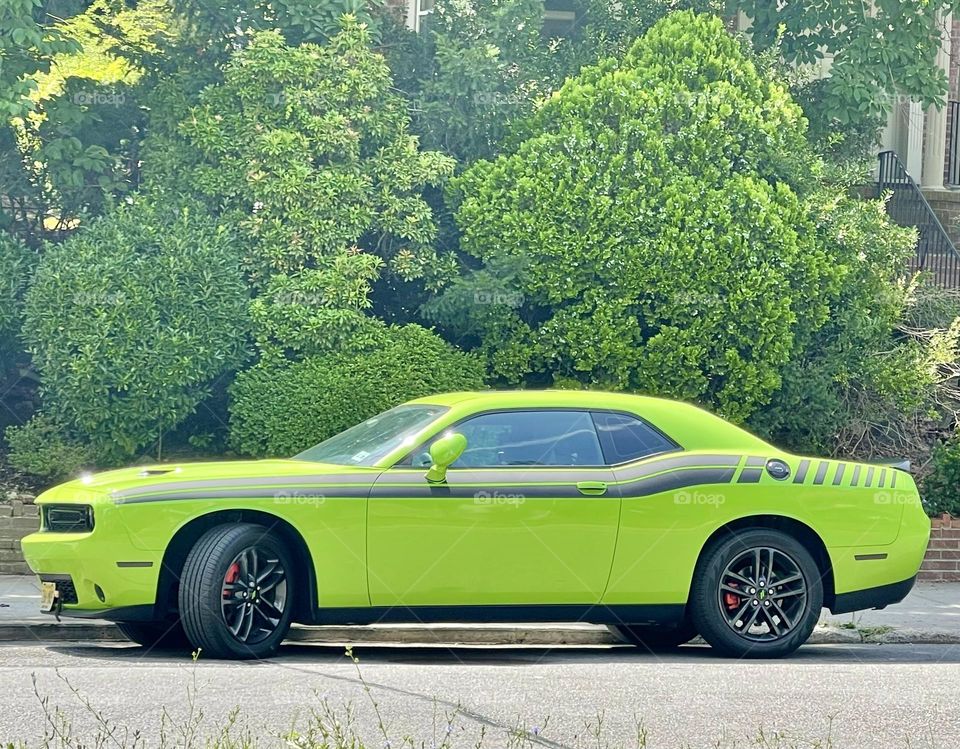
(129, 321)
(208, 186)
(281, 409)
(658, 218)
(941, 490)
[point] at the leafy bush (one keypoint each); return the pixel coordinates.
(44, 447)
(283, 408)
(130, 319)
(16, 263)
(658, 207)
(306, 151)
(941, 489)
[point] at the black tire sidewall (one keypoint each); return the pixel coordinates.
(705, 610)
(201, 590)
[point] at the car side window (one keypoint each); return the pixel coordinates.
(625, 438)
(529, 438)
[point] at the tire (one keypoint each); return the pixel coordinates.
(743, 624)
(156, 635)
(236, 592)
(655, 639)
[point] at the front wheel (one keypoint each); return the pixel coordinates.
(756, 594)
(236, 592)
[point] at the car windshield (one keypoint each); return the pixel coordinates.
(366, 443)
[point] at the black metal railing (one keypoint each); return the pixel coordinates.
(935, 252)
(951, 175)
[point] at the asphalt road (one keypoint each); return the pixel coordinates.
(882, 696)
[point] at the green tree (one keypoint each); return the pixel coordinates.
(879, 50)
(130, 320)
(654, 227)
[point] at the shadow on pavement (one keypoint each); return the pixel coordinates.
(518, 656)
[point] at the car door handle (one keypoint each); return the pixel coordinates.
(592, 488)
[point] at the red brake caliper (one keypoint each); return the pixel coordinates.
(231, 577)
(732, 600)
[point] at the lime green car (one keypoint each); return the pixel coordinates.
(650, 516)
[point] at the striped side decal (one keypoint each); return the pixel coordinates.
(883, 477)
(750, 476)
(856, 476)
(869, 481)
(668, 481)
(802, 472)
(893, 478)
(755, 462)
(357, 485)
(821, 472)
(838, 476)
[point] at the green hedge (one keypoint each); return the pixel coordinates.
(280, 409)
(130, 319)
(941, 489)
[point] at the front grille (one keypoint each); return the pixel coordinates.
(67, 518)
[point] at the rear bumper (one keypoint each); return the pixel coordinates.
(872, 598)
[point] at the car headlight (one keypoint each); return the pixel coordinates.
(67, 518)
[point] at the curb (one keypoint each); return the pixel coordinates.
(456, 635)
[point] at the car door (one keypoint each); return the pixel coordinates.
(528, 515)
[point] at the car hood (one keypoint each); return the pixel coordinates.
(185, 476)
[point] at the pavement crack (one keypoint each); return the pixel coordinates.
(457, 707)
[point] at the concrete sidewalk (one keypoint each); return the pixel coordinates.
(930, 614)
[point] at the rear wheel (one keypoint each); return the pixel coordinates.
(655, 639)
(156, 635)
(235, 592)
(756, 594)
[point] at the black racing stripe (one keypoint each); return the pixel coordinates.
(856, 476)
(883, 477)
(281, 495)
(821, 472)
(801, 472)
(258, 482)
(749, 476)
(869, 480)
(838, 476)
(679, 479)
(663, 482)
(755, 462)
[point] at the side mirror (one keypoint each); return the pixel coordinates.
(443, 452)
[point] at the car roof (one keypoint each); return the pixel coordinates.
(690, 426)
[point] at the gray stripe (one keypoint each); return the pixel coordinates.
(755, 462)
(869, 480)
(821, 472)
(856, 476)
(893, 478)
(680, 461)
(261, 481)
(801, 472)
(749, 476)
(838, 476)
(672, 480)
(883, 477)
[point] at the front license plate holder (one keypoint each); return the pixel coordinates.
(48, 596)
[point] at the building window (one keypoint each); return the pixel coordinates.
(559, 18)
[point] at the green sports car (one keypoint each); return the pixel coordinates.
(651, 516)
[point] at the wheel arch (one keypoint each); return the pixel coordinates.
(792, 527)
(174, 556)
